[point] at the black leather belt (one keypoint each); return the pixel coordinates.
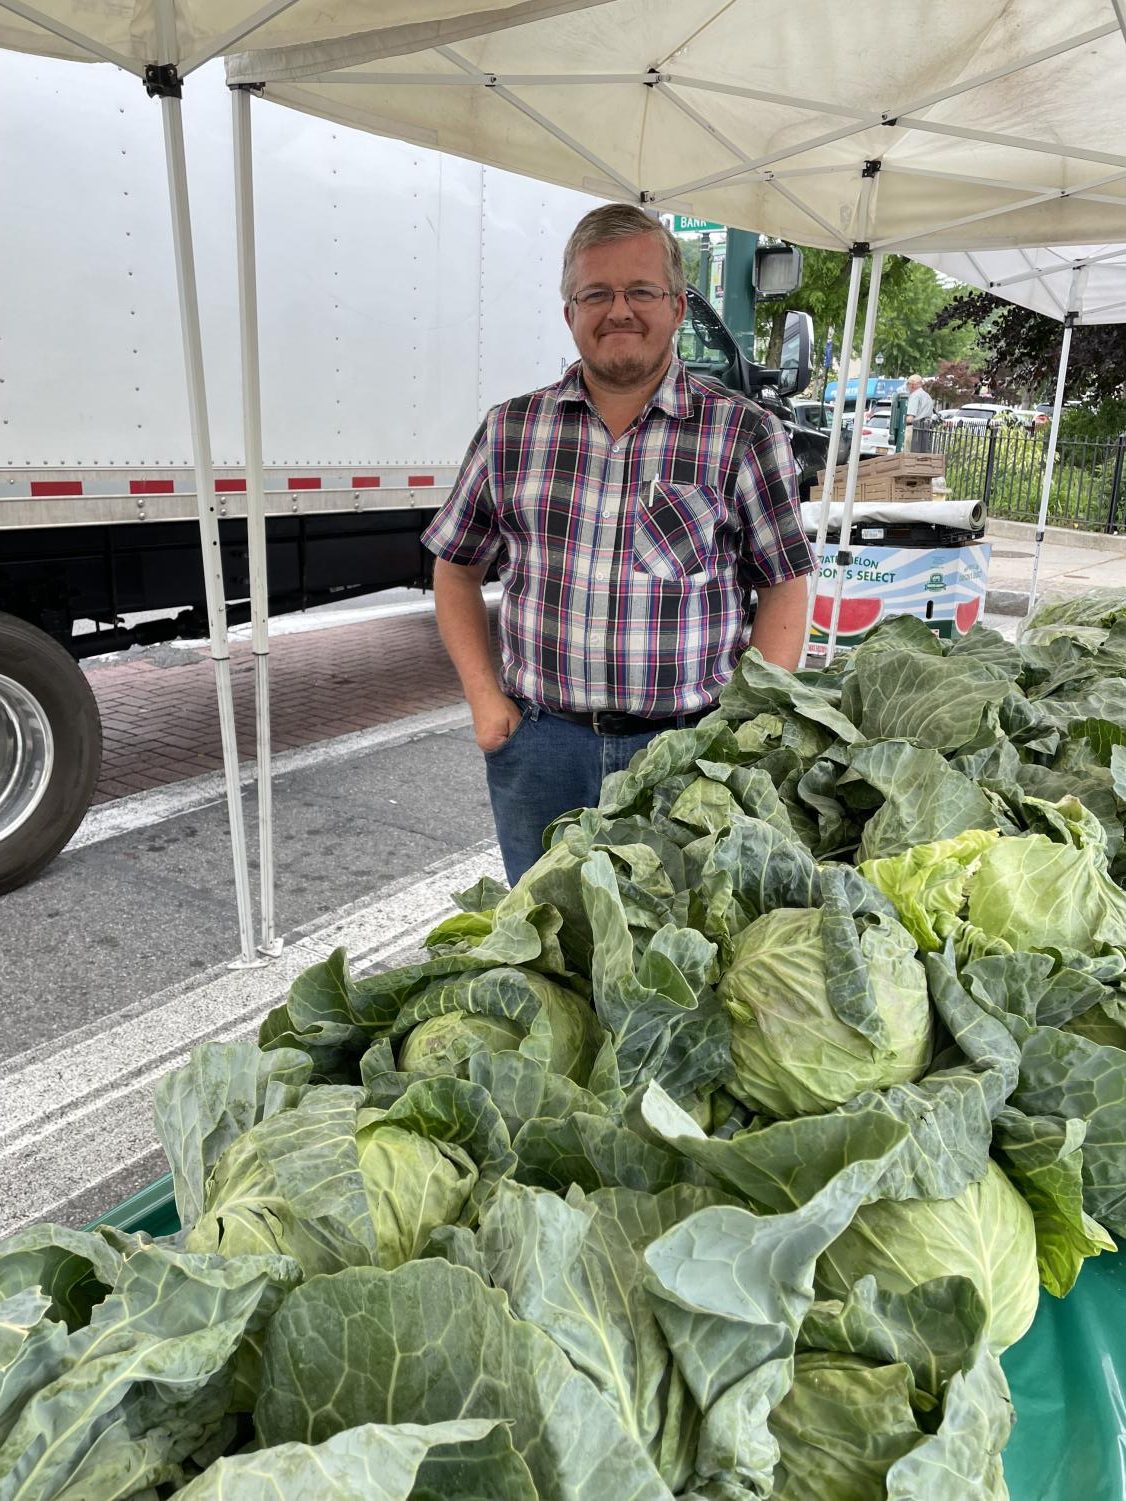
(612, 722)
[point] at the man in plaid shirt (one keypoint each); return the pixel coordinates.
(629, 508)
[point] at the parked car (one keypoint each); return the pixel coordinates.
(878, 425)
(871, 442)
(980, 414)
(812, 414)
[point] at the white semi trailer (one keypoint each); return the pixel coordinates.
(401, 292)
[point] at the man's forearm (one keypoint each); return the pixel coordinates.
(463, 625)
(779, 624)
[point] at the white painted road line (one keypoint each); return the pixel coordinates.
(76, 1112)
(142, 810)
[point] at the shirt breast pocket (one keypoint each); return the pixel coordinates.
(674, 535)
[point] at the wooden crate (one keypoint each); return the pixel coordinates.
(907, 465)
(883, 487)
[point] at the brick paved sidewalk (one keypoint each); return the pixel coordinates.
(160, 719)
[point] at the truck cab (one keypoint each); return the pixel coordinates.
(708, 347)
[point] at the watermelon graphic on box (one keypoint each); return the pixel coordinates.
(945, 586)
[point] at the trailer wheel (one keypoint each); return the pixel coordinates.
(50, 749)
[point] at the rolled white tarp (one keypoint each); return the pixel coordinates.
(965, 515)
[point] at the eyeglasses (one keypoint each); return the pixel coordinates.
(593, 298)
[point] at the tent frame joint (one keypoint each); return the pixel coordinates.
(248, 88)
(163, 81)
(860, 249)
(872, 166)
(654, 76)
(1071, 320)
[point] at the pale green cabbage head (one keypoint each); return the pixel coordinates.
(413, 1184)
(499, 1010)
(986, 1234)
(442, 1044)
(792, 1054)
(840, 1428)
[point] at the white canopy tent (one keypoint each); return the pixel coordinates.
(867, 129)
(1076, 284)
(162, 42)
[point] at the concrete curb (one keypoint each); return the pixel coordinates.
(1061, 536)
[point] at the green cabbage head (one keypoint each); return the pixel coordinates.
(501, 1010)
(986, 1234)
(332, 1185)
(840, 1428)
(793, 1053)
(413, 1184)
(443, 1044)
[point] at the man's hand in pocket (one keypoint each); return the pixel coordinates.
(494, 721)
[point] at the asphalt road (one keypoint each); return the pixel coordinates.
(121, 919)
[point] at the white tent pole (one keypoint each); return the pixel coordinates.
(255, 502)
(1050, 462)
(165, 82)
(867, 342)
(856, 273)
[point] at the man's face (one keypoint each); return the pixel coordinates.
(624, 346)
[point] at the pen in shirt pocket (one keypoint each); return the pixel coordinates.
(649, 471)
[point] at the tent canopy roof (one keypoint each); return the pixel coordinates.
(994, 122)
(1088, 281)
(134, 33)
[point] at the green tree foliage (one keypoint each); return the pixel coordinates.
(911, 299)
(1021, 349)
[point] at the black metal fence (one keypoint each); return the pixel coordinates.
(1004, 466)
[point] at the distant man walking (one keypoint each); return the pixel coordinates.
(920, 411)
(629, 508)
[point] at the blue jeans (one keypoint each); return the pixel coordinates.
(547, 766)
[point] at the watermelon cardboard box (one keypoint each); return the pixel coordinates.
(945, 586)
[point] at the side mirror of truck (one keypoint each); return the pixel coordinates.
(797, 348)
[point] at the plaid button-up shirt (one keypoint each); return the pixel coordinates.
(626, 562)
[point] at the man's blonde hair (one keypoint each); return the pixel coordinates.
(619, 221)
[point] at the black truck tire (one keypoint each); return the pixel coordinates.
(50, 749)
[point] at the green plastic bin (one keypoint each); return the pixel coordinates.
(1067, 1375)
(1068, 1380)
(151, 1209)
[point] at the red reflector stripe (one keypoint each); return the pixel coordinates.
(56, 487)
(304, 482)
(152, 487)
(420, 479)
(365, 481)
(226, 486)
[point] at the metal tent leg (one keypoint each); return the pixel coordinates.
(855, 275)
(868, 340)
(1050, 464)
(255, 503)
(205, 491)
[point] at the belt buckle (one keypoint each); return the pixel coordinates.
(596, 721)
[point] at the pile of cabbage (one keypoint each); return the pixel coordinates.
(721, 1158)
